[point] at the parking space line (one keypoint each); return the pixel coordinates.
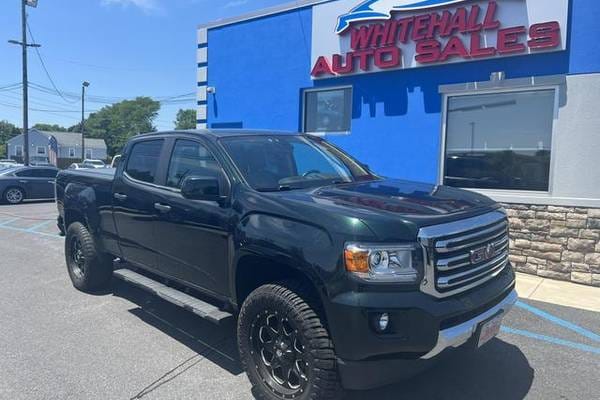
(37, 226)
(10, 221)
(550, 339)
(558, 321)
(11, 228)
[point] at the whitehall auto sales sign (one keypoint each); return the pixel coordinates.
(353, 37)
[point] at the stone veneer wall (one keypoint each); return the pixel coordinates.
(556, 242)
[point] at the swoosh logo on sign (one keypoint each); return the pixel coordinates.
(382, 9)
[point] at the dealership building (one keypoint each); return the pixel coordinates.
(501, 97)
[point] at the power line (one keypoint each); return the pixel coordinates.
(37, 51)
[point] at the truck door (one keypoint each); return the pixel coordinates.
(193, 234)
(133, 203)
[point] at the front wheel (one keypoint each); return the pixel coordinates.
(89, 268)
(14, 195)
(285, 348)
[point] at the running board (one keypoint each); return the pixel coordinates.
(184, 300)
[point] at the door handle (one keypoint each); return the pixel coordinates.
(163, 208)
(23, 181)
(120, 197)
(51, 181)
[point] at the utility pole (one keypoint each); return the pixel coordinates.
(83, 86)
(24, 45)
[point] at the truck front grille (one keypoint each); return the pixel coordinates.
(464, 254)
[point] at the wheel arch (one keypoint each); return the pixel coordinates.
(253, 271)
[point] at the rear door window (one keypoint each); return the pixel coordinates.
(48, 173)
(143, 160)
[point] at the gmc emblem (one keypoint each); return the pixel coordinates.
(483, 253)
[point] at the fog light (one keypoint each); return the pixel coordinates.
(384, 321)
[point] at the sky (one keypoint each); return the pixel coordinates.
(124, 48)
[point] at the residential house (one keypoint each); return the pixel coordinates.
(56, 148)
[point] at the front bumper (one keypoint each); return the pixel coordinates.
(461, 334)
(424, 328)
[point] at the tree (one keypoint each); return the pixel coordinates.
(7, 131)
(49, 127)
(186, 119)
(118, 122)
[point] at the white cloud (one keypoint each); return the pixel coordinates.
(148, 6)
(235, 3)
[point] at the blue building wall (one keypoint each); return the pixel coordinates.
(260, 67)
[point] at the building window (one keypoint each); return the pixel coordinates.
(89, 154)
(41, 151)
(19, 151)
(327, 110)
(500, 140)
(71, 152)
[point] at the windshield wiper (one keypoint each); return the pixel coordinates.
(280, 188)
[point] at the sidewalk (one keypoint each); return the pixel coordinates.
(558, 292)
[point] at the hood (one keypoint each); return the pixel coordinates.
(392, 209)
(403, 197)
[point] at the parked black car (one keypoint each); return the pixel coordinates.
(27, 183)
(336, 277)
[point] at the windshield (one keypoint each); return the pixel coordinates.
(7, 171)
(271, 163)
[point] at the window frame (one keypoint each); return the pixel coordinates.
(37, 151)
(17, 147)
(172, 151)
(165, 161)
(306, 91)
(72, 152)
(503, 90)
(91, 157)
(158, 177)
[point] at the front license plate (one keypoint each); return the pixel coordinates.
(489, 330)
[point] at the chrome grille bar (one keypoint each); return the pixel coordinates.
(453, 263)
(470, 240)
(448, 281)
(450, 250)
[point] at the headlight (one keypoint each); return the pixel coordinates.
(382, 263)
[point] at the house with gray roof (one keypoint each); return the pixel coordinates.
(56, 148)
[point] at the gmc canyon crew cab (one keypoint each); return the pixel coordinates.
(337, 278)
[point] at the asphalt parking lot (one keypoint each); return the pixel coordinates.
(58, 343)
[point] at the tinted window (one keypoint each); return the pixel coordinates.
(27, 173)
(290, 162)
(143, 160)
(328, 110)
(191, 158)
(500, 141)
(48, 173)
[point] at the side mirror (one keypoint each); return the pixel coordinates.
(201, 188)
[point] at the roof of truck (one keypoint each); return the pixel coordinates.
(219, 133)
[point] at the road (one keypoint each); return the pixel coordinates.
(58, 343)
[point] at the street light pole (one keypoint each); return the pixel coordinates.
(24, 45)
(83, 86)
(25, 84)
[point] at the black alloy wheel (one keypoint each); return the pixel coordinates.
(77, 258)
(285, 346)
(279, 354)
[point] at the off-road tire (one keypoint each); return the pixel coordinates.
(13, 195)
(94, 271)
(292, 303)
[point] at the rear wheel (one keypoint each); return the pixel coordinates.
(89, 269)
(14, 195)
(285, 348)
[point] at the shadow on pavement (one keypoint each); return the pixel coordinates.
(216, 343)
(498, 371)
